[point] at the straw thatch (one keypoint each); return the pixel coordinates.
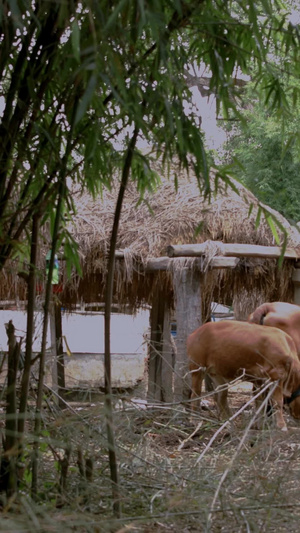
(168, 217)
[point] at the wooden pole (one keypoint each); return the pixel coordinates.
(167, 359)
(296, 281)
(165, 263)
(188, 317)
(155, 350)
(230, 249)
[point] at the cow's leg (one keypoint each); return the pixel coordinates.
(222, 400)
(209, 386)
(221, 397)
(258, 402)
(197, 378)
(277, 402)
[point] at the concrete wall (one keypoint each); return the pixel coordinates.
(85, 337)
(87, 370)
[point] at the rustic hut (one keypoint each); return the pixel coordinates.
(184, 286)
(169, 216)
(146, 275)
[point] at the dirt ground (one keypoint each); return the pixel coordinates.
(220, 478)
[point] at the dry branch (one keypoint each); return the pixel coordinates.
(64, 466)
(8, 474)
(203, 83)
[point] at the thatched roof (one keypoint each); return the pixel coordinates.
(169, 217)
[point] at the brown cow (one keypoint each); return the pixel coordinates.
(279, 315)
(227, 349)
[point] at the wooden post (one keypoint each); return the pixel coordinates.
(188, 317)
(156, 339)
(167, 359)
(296, 280)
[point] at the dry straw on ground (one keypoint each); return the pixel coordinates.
(230, 479)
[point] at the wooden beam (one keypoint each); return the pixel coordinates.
(230, 249)
(165, 263)
(119, 254)
(158, 263)
(224, 262)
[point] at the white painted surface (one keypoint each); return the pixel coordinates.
(85, 332)
(85, 337)
(87, 370)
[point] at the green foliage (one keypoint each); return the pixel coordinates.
(266, 160)
(77, 76)
(142, 173)
(27, 476)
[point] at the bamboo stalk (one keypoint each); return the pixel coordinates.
(107, 315)
(29, 328)
(37, 425)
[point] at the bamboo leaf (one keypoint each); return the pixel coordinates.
(258, 217)
(114, 16)
(270, 221)
(86, 99)
(75, 38)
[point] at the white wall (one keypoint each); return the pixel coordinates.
(85, 333)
